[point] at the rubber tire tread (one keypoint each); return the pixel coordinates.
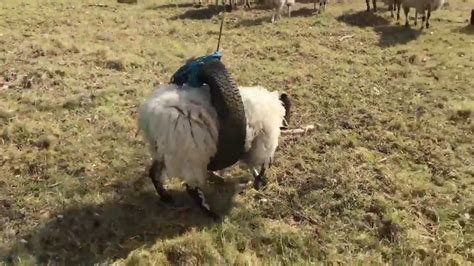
(227, 101)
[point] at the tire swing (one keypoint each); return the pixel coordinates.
(226, 99)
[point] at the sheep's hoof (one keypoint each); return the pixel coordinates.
(259, 183)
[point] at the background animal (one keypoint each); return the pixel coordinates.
(425, 7)
(277, 5)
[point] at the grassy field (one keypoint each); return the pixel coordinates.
(386, 177)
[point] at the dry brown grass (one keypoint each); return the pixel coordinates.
(387, 176)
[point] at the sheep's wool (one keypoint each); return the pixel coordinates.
(181, 128)
(265, 113)
(422, 5)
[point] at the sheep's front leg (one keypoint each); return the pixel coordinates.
(416, 17)
(428, 18)
(259, 178)
(155, 174)
(406, 10)
(198, 196)
(398, 10)
(423, 18)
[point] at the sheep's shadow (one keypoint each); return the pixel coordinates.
(254, 22)
(167, 6)
(202, 13)
(363, 19)
(469, 29)
(392, 35)
(304, 12)
(95, 233)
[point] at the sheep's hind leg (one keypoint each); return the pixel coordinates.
(155, 175)
(259, 178)
(198, 196)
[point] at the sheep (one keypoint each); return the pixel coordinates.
(420, 7)
(181, 128)
(277, 5)
(322, 5)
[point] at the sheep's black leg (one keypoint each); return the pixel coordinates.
(416, 17)
(406, 10)
(247, 4)
(398, 11)
(198, 197)
(428, 18)
(375, 5)
(259, 178)
(155, 174)
(423, 18)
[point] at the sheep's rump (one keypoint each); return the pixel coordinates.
(265, 113)
(181, 128)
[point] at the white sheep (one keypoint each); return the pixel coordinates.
(421, 6)
(181, 127)
(277, 5)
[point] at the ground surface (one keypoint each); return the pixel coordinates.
(387, 176)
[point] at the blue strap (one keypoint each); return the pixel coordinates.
(188, 72)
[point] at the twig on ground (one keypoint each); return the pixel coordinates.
(345, 37)
(301, 130)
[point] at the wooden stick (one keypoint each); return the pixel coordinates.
(345, 37)
(297, 131)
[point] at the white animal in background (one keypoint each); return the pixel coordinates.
(425, 7)
(181, 127)
(277, 5)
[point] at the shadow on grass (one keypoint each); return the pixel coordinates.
(167, 6)
(304, 12)
(254, 22)
(95, 233)
(469, 29)
(202, 13)
(392, 35)
(363, 19)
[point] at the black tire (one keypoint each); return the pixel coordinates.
(226, 99)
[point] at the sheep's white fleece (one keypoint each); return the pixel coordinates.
(181, 128)
(422, 5)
